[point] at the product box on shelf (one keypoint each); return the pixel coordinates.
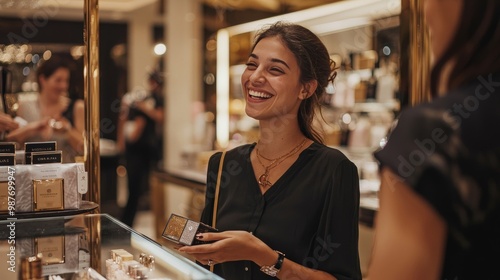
(46, 187)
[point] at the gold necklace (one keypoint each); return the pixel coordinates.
(264, 178)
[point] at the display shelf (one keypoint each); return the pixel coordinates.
(85, 207)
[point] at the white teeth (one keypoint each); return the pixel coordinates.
(258, 94)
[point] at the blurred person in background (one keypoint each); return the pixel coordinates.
(52, 115)
(140, 140)
(439, 215)
(7, 123)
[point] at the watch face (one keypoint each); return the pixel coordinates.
(274, 269)
(269, 270)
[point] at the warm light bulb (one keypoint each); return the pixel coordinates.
(160, 49)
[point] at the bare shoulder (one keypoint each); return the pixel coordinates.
(79, 105)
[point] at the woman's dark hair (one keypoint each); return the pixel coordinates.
(47, 68)
(475, 45)
(314, 63)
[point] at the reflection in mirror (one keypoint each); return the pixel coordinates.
(42, 94)
(45, 96)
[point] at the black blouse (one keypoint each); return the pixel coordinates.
(448, 151)
(310, 213)
(148, 140)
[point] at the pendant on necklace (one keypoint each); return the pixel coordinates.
(263, 180)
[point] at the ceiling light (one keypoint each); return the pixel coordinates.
(160, 49)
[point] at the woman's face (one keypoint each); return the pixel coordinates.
(271, 81)
(57, 84)
(443, 18)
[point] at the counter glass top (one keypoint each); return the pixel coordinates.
(73, 244)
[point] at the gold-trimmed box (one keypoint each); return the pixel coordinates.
(52, 248)
(121, 255)
(4, 197)
(183, 231)
(48, 194)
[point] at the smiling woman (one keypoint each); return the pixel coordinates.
(288, 204)
(265, 78)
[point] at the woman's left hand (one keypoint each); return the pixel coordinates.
(227, 246)
(60, 125)
(242, 245)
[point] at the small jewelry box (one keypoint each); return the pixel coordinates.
(183, 231)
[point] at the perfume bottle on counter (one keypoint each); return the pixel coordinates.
(122, 266)
(31, 268)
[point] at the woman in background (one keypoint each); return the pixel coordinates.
(51, 115)
(439, 216)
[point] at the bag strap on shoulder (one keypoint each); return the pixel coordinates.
(217, 190)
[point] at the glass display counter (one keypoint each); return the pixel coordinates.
(71, 245)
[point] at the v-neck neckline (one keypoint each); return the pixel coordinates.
(276, 186)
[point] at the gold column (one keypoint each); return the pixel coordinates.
(91, 96)
(93, 234)
(419, 54)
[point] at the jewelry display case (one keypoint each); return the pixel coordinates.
(80, 247)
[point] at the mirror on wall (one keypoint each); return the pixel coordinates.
(41, 49)
(34, 31)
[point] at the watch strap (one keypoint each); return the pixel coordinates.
(279, 262)
(274, 269)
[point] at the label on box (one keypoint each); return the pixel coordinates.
(7, 159)
(83, 183)
(52, 249)
(48, 194)
(7, 148)
(48, 171)
(31, 147)
(46, 157)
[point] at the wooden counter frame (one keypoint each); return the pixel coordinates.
(157, 181)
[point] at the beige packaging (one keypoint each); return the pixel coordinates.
(60, 253)
(27, 177)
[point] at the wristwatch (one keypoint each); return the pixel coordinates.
(274, 269)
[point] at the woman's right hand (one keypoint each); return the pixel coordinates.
(7, 123)
(40, 127)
